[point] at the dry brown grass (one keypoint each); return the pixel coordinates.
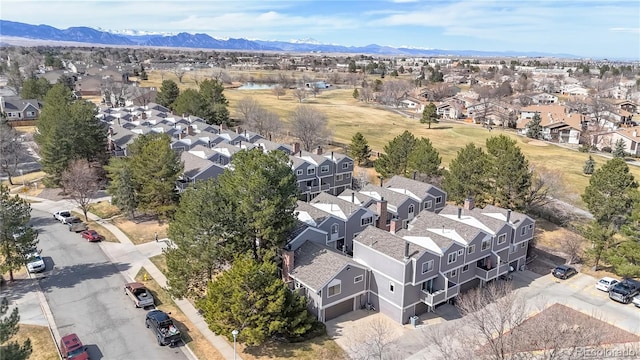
(104, 209)
(160, 261)
(42, 343)
(143, 231)
(26, 179)
(194, 339)
(26, 129)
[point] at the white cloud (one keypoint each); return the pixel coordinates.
(626, 30)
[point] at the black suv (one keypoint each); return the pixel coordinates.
(564, 272)
(162, 325)
(625, 290)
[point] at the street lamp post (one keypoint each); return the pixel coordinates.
(22, 176)
(235, 335)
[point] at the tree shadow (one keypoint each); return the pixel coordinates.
(68, 276)
(441, 127)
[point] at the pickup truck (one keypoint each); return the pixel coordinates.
(625, 290)
(75, 224)
(139, 294)
(62, 215)
(162, 325)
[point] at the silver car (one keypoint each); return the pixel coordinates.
(35, 263)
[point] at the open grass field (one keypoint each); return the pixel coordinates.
(41, 342)
(140, 232)
(347, 116)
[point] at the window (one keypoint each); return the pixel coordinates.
(523, 245)
(339, 177)
(31, 113)
(513, 249)
(439, 200)
(451, 258)
(485, 245)
(311, 171)
(392, 287)
(358, 279)
(324, 169)
(460, 252)
(334, 228)
(530, 226)
(298, 285)
(427, 204)
(405, 224)
(524, 231)
(453, 273)
(347, 176)
(471, 249)
(334, 288)
(299, 172)
(465, 268)
(367, 220)
(427, 266)
(346, 165)
(502, 238)
(411, 209)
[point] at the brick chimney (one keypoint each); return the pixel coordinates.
(295, 148)
(381, 207)
(143, 115)
(287, 264)
(396, 224)
(191, 130)
(469, 203)
(318, 150)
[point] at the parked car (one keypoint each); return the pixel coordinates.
(606, 283)
(625, 291)
(137, 292)
(564, 272)
(71, 348)
(162, 325)
(91, 235)
(62, 215)
(636, 301)
(75, 224)
(35, 263)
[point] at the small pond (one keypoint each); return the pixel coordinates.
(256, 86)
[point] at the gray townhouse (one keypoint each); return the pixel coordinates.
(406, 271)
(316, 172)
(431, 198)
(341, 220)
(19, 111)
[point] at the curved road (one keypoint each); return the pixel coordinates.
(84, 291)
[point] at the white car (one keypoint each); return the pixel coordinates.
(35, 263)
(636, 301)
(606, 283)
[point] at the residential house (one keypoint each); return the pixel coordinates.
(430, 198)
(19, 111)
(558, 124)
(196, 169)
(543, 98)
(626, 105)
(609, 139)
(317, 172)
(450, 109)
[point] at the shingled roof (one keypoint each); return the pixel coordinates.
(315, 265)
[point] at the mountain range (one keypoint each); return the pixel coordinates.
(89, 35)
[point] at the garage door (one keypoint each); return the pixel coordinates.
(338, 309)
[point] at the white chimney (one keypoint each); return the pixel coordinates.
(635, 133)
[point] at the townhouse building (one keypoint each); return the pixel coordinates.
(402, 272)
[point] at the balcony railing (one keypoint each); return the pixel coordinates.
(503, 269)
(487, 274)
(434, 298)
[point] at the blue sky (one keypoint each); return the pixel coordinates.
(604, 29)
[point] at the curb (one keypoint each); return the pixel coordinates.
(48, 315)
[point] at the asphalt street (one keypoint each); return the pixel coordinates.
(84, 291)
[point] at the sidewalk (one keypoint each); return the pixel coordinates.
(136, 257)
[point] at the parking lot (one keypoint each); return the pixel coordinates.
(406, 342)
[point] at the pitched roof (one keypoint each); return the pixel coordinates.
(315, 265)
(394, 198)
(193, 165)
(14, 103)
(473, 217)
(500, 213)
(631, 133)
(310, 214)
(414, 188)
(551, 114)
(334, 205)
(442, 229)
(388, 243)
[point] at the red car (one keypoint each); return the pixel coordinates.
(91, 235)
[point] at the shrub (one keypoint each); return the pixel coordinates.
(607, 149)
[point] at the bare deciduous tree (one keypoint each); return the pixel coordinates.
(375, 340)
(81, 181)
(392, 91)
(247, 107)
(278, 90)
(572, 245)
(11, 150)
(309, 126)
(545, 185)
(179, 73)
(300, 94)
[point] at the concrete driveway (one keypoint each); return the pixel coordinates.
(359, 332)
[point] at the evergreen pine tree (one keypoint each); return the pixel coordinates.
(534, 129)
(9, 326)
(359, 149)
(466, 175)
(168, 93)
(619, 149)
(429, 115)
(395, 159)
(589, 166)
